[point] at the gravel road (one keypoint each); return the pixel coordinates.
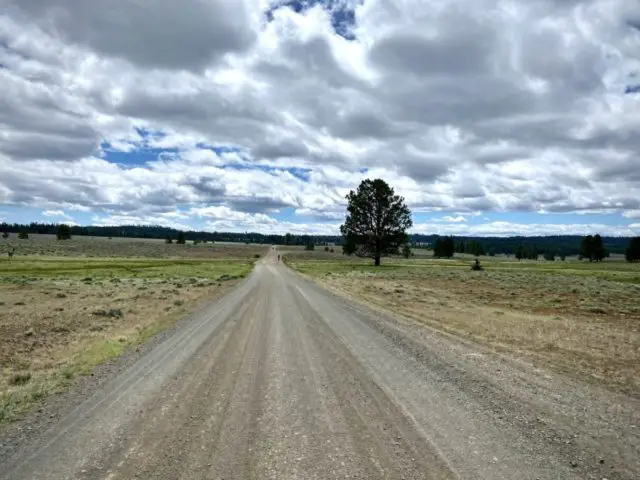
(281, 379)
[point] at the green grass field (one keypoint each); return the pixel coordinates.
(117, 267)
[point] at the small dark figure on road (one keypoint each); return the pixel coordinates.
(278, 257)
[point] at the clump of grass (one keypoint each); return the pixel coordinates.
(19, 303)
(178, 303)
(19, 378)
(111, 313)
(60, 295)
(225, 277)
(60, 329)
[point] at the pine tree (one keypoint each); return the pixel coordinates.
(64, 232)
(632, 254)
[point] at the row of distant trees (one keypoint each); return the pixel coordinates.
(591, 248)
(63, 232)
(558, 245)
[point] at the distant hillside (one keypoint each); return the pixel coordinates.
(556, 244)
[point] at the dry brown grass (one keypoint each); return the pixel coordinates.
(103, 247)
(60, 317)
(578, 324)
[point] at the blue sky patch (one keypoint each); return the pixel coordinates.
(343, 16)
(138, 157)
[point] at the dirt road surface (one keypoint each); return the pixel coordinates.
(283, 380)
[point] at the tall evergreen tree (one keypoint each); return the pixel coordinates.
(632, 254)
(592, 248)
(64, 232)
(377, 220)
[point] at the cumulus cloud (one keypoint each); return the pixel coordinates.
(463, 106)
(160, 34)
(55, 213)
(452, 219)
(505, 229)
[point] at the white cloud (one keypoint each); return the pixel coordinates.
(55, 213)
(452, 219)
(463, 106)
(503, 229)
(631, 213)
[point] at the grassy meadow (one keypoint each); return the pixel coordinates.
(67, 306)
(578, 317)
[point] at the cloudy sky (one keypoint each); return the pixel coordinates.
(488, 116)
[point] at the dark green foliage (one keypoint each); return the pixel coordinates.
(168, 240)
(23, 235)
(377, 220)
(632, 253)
(444, 247)
(549, 256)
(310, 246)
(469, 246)
(5, 234)
(529, 252)
(563, 257)
(592, 248)
(349, 246)
(406, 250)
(326, 249)
(182, 238)
(64, 232)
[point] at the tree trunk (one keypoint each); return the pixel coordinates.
(377, 260)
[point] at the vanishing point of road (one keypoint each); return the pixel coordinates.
(280, 379)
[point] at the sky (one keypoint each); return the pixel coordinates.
(491, 117)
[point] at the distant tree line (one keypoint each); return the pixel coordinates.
(557, 244)
(154, 231)
(523, 247)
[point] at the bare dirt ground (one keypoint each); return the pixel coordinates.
(281, 379)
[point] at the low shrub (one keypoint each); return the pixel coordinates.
(19, 378)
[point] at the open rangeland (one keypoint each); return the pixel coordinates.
(281, 379)
(67, 306)
(577, 317)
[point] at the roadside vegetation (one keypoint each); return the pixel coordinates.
(64, 308)
(580, 317)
